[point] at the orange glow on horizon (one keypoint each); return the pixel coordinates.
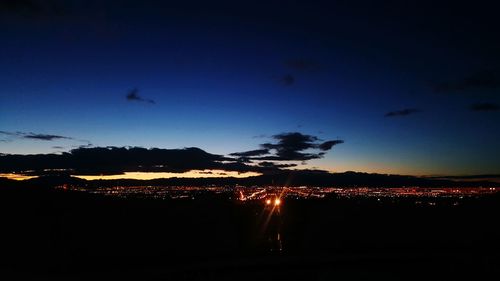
(166, 175)
(17, 177)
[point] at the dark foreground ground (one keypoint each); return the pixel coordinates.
(56, 235)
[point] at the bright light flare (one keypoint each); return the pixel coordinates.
(268, 202)
(277, 202)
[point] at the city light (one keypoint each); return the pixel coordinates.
(277, 201)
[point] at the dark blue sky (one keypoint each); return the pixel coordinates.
(225, 77)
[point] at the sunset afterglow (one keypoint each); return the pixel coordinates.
(17, 177)
(166, 175)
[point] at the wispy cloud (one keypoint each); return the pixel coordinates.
(261, 136)
(8, 133)
(295, 66)
(484, 79)
(250, 153)
(44, 137)
(287, 80)
(327, 145)
(35, 9)
(268, 164)
(133, 95)
(403, 112)
(39, 137)
(302, 64)
(485, 107)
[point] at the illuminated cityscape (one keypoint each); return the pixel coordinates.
(272, 195)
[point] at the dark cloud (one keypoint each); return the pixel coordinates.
(39, 12)
(327, 145)
(44, 137)
(88, 160)
(33, 9)
(404, 112)
(117, 160)
(302, 64)
(292, 146)
(88, 144)
(11, 136)
(268, 164)
(288, 80)
(485, 107)
(480, 80)
(470, 176)
(19, 6)
(250, 153)
(133, 95)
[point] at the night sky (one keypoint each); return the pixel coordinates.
(410, 87)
